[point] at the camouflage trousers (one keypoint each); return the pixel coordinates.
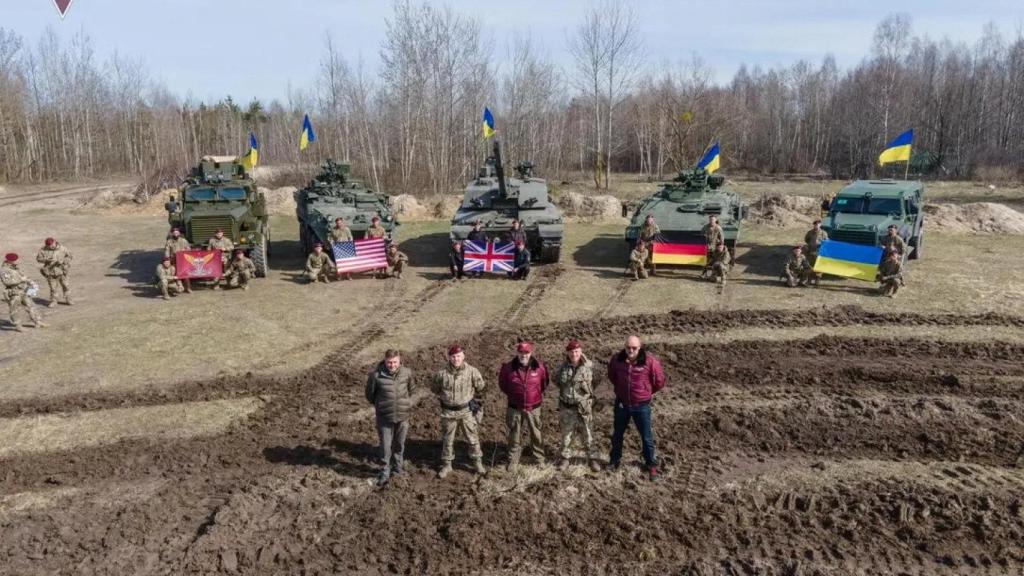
(890, 287)
(61, 282)
(398, 268)
(573, 418)
(637, 270)
(168, 286)
(21, 299)
(718, 272)
(321, 275)
(799, 279)
(451, 422)
(238, 280)
(516, 420)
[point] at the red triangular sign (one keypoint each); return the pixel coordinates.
(62, 6)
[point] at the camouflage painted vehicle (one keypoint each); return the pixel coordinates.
(862, 212)
(331, 195)
(495, 201)
(682, 206)
(219, 194)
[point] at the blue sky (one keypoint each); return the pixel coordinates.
(258, 48)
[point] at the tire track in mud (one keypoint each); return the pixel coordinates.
(620, 292)
(536, 287)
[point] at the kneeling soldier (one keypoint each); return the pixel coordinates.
(240, 271)
(718, 265)
(638, 261)
(167, 279)
(318, 265)
(890, 274)
(797, 270)
(396, 261)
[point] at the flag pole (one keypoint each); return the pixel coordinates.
(906, 171)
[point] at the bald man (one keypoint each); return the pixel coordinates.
(636, 375)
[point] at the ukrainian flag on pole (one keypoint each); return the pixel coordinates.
(252, 157)
(711, 160)
(898, 150)
(488, 123)
(307, 136)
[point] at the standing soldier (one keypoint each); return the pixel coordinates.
(648, 234)
(523, 380)
(893, 243)
(167, 279)
(517, 234)
(389, 388)
(890, 274)
(374, 232)
(340, 233)
(456, 260)
(575, 379)
(56, 261)
(813, 239)
(226, 246)
(396, 260)
(458, 386)
(318, 265)
(797, 270)
(18, 291)
(713, 234)
(718, 265)
(176, 243)
(240, 271)
(636, 375)
(520, 263)
(638, 261)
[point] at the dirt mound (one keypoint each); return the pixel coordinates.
(602, 208)
(974, 218)
(444, 207)
(408, 207)
(280, 200)
(784, 210)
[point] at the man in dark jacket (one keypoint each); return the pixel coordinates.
(523, 380)
(456, 260)
(636, 376)
(517, 234)
(520, 263)
(477, 234)
(389, 388)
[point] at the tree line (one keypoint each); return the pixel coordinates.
(414, 126)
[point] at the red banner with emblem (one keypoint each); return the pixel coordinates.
(195, 264)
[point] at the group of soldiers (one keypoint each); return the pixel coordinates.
(635, 374)
(238, 270)
(799, 267)
(717, 257)
(320, 267)
(516, 235)
(19, 291)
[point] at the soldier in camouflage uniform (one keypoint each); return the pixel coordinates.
(373, 232)
(16, 287)
(56, 261)
(718, 265)
(812, 241)
(340, 233)
(240, 271)
(318, 265)
(892, 242)
(176, 243)
(797, 270)
(890, 274)
(713, 235)
(649, 232)
(226, 247)
(638, 261)
(396, 261)
(167, 279)
(575, 380)
(458, 387)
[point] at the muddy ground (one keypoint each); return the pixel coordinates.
(803, 432)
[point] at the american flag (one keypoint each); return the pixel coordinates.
(360, 255)
(489, 257)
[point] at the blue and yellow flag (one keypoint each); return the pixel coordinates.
(848, 260)
(488, 123)
(252, 157)
(898, 150)
(307, 136)
(711, 160)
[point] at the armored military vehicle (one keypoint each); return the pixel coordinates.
(219, 194)
(333, 194)
(862, 212)
(495, 201)
(682, 206)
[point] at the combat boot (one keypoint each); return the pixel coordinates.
(595, 466)
(513, 462)
(39, 324)
(445, 470)
(478, 466)
(245, 286)
(17, 327)
(67, 300)
(53, 302)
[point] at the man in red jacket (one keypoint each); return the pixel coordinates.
(636, 376)
(523, 380)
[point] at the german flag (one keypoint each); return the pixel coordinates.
(679, 254)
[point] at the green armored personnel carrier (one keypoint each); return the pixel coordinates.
(494, 201)
(862, 212)
(333, 194)
(219, 194)
(682, 206)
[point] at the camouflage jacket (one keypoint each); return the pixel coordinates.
(340, 235)
(720, 258)
(240, 265)
(377, 231)
(796, 264)
(56, 261)
(814, 239)
(894, 244)
(316, 262)
(13, 280)
(890, 270)
(647, 233)
(455, 387)
(175, 245)
(575, 383)
(638, 256)
(168, 274)
(396, 256)
(713, 234)
(225, 245)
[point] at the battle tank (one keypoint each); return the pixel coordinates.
(331, 195)
(682, 206)
(495, 201)
(219, 194)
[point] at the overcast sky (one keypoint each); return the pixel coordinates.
(257, 48)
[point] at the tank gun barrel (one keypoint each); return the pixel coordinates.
(499, 170)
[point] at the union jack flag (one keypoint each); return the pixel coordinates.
(489, 257)
(360, 255)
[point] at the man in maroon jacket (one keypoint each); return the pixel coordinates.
(636, 376)
(523, 380)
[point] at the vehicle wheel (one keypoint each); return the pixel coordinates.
(916, 242)
(551, 254)
(259, 259)
(266, 234)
